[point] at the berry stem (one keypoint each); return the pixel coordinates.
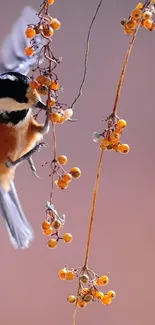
(93, 209)
(114, 113)
(86, 55)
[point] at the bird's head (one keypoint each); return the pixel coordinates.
(15, 93)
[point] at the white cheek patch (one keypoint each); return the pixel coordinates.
(9, 76)
(10, 104)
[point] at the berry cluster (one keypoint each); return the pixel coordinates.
(110, 138)
(64, 177)
(143, 15)
(52, 225)
(90, 293)
(45, 27)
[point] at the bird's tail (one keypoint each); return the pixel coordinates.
(20, 232)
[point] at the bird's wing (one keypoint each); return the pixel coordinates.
(19, 230)
(13, 57)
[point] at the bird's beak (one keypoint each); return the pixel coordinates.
(40, 105)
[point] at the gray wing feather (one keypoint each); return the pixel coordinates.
(19, 230)
(13, 57)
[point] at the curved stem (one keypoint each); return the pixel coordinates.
(93, 209)
(114, 113)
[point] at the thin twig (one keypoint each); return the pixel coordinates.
(93, 209)
(86, 55)
(114, 113)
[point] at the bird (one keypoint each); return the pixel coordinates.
(20, 134)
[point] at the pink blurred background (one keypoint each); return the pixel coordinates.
(123, 240)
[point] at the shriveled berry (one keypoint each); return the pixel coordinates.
(75, 172)
(88, 298)
(56, 224)
(71, 299)
(84, 278)
(48, 31)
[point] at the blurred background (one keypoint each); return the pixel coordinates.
(123, 240)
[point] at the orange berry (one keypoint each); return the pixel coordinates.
(147, 23)
(131, 24)
(121, 124)
(114, 137)
(106, 300)
(61, 184)
(147, 15)
(30, 32)
(40, 79)
(128, 31)
(75, 172)
(111, 294)
(56, 224)
(45, 225)
(52, 102)
(85, 291)
(124, 148)
(48, 232)
(81, 304)
(136, 14)
(71, 299)
(48, 31)
(52, 243)
(61, 119)
(102, 280)
(62, 274)
(50, 2)
(93, 292)
(55, 24)
(99, 295)
(55, 117)
(116, 147)
(54, 85)
(34, 84)
(62, 160)
(29, 51)
(67, 177)
(105, 142)
(67, 237)
(139, 5)
(70, 275)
